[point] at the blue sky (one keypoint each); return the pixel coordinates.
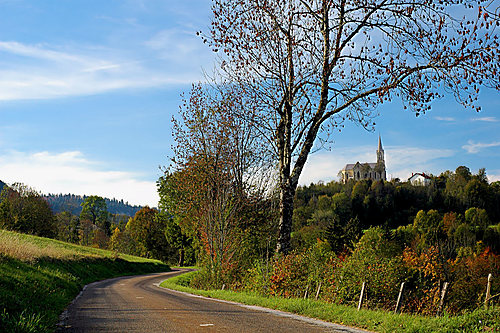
(88, 89)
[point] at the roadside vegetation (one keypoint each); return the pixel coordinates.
(380, 234)
(478, 320)
(39, 277)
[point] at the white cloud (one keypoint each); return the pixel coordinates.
(475, 147)
(486, 119)
(178, 46)
(449, 119)
(39, 52)
(44, 72)
(494, 177)
(400, 161)
(72, 172)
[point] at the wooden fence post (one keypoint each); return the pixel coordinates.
(307, 292)
(441, 302)
(223, 286)
(360, 304)
(399, 302)
(317, 292)
(488, 291)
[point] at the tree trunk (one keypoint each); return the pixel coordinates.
(285, 224)
(181, 257)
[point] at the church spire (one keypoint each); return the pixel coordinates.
(380, 151)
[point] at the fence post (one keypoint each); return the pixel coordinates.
(360, 304)
(399, 302)
(317, 291)
(307, 291)
(223, 286)
(488, 291)
(441, 302)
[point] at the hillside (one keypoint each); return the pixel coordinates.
(72, 203)
(40, 276)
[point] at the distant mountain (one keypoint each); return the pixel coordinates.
(2, 184)
(72, 203)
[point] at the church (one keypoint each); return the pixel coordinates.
(359, 171)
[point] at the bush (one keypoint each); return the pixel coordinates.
(376, 262)
(257, 277)
(295, 273)
(289, 275)
(426, 273)
(470, 276)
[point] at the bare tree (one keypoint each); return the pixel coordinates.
(306, 66)
(214, 175)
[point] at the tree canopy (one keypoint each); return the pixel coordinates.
(23, 209)
(306, 67)
(95, 210)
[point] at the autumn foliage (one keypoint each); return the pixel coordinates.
(214, 177)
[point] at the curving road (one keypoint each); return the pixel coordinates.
(137, 304)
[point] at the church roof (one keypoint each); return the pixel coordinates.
(351, 166)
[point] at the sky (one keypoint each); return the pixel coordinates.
(88, 89)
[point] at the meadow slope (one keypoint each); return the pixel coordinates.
(39, 277)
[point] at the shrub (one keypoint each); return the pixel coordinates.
(470, 276)
(426, 273)
(257, 277)
(375, 261)
(289, 275)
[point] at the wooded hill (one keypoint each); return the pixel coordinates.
(72, 203)
(326, 211)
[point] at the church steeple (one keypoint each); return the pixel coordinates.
(380, 151)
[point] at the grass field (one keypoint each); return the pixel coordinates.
(379, 321)
(40, 276)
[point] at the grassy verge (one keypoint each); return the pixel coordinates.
(379, 321)
(40, 276)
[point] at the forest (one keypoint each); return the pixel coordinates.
(73, 203)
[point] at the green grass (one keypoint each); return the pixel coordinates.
(40, 276)
(379, 321)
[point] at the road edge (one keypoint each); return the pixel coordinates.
(314, 321)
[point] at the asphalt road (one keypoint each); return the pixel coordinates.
(137, 304)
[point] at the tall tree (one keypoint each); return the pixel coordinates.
(67, 226)
(94, 209)
(215, 172)
(147, 232)
(308, 66)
